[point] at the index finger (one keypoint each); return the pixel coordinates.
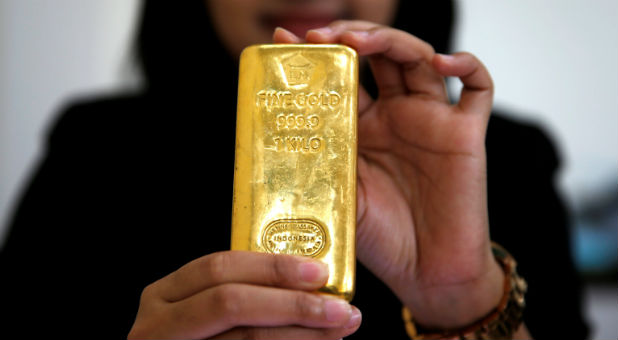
(402, 62)
(285, 271)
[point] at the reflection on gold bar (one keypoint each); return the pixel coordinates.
(295, 171)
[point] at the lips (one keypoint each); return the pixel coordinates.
(298, 24)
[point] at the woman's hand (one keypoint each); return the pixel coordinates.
(242, 295)
(422, 202)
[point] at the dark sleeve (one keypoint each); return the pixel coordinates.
(529, 218)
(58, 277)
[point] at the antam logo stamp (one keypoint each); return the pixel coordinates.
(298, 70)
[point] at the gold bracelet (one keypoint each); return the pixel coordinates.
(500, 323)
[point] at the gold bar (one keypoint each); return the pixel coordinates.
(295, 170)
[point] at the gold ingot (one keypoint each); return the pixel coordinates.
(295, 170)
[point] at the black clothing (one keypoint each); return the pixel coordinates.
(126, 194)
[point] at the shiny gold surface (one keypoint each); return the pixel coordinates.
(295, 171)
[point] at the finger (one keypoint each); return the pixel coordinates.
(410, 60)
(283, 36)
(388, 76)
(383, 39)
(364, 99)
(408, 56)
(387, 73)
(284, 333)
(232, 305)
(477, 91)
(331, 33)
(284, 271)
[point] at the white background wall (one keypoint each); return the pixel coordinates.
(51, 50)
(554, 61)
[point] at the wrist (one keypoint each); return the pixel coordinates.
(503, 322)
(457, 305)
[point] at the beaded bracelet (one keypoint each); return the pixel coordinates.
(500, 323)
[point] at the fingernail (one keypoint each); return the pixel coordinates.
(355, 36)
(447, 57)
(322, 30)
(336, 309)
(360, 33)
(281, 29)
(355, 319)
(313, 271)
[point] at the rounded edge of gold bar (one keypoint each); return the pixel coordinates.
(331, 290)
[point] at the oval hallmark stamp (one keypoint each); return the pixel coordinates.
(294, 237)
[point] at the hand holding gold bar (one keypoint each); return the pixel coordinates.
(295, 170)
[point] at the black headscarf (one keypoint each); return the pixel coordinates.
(178, 50)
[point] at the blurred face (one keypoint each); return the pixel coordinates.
(240, 23)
